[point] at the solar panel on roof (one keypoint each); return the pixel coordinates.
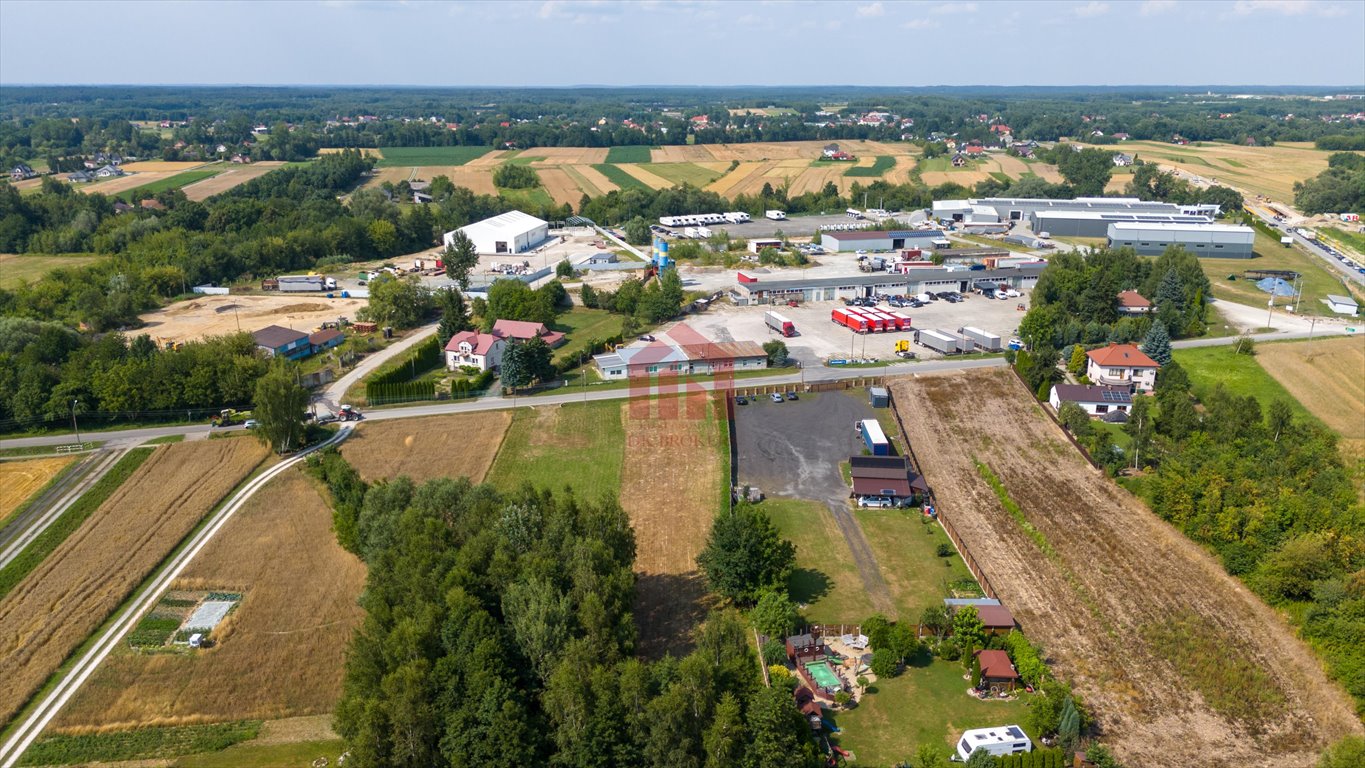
(1015, 732)
(1110, 396)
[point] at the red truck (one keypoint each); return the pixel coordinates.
(848, 319)
(875, 322)
(779, 323)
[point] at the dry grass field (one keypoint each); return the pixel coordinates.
(161, 166)
(234, 176)
(671, 487)
(685, 153)
(561, 186)
(460, 445)
(366, 151)
(56, 607)
(1181, 663)
(649, 179)
(16, 269)
(219, 315)
(966, 177)
(1269, 171)
(125, 183)
(23, 478)
(551, 156)
(279, 654)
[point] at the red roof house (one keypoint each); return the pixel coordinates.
(996, 670)
(1122, 365)
(1133, 303)
(524, 330)
(481, 350)
(997, 619)
(975, 149)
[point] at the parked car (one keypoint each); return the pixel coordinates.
(791, 395)
(775, 397)
(741, 400)
(251, 423)
(876, 502)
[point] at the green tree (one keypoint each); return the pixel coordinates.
(968, 627)
(778, 734)
(460, 258)
(637, 231)
(516, 176)
(1347, 753)
(514, 370)
(775, 614)
(402, 302)
(777, 353)
(980, 758)
(745, 555)
(588, 296)
(1075, 419)
(1069, 726)
(976, 670)
(1140, 428)
(1087, 171)
(930, 756)
(1076, 365)
(564, 269)
(279, 406)
(1157, 343)
(454, 315)
(724, 739)
(1279, 419)
(883, 663)
(936, 619)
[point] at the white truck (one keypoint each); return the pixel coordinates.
(775, 215)
(985, 340)
(697, 233)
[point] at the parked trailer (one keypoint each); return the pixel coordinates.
(964, 344)
(779, 323)
(902, 320)
(937, 341)
(874, 438)
(889, 322)
(775, 215)
(985, 340)
(301, 283)
(851, 320)
(874, 322)
(1001, 740)
(737, 217)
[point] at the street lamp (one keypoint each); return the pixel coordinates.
(74, 427)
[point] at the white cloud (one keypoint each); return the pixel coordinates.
(947, 8)
(1156, 7)
(920, 24)
(1287, 7)
(1092, 8)
(873, 9)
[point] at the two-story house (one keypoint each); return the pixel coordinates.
(482, 350)
(278, 341)
(1122, 365)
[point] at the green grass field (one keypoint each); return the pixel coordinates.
(524, 159)
(1270, 254)
(925, 705)
(139, 744)
(826, 580)
(580, 445)
(297, 754)
(905, 548)
(404, 156)
(583, 325)
(634, 154)
(534, 198)
(684, 173)
(1353, 240)
(619, 177)
(940, 163)
(16, 269)
(881, 165)
(172, 182)
(1239, 374)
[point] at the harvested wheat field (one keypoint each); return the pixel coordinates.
(221, 315)
(1327, 376)
(965, 177)
(460, 445)
(124, 183)
(1269, 171)
(365, 151)
(391, 174)
(23, 478)
(567, 155)
(491, 160)
(56, 607)
(235, 176)
(561, 186)
(651, 180)
(682, 153)
(591, 178)
(723, 185)
(279, 654)
(162, 166)
(1181, 663)
(671, 487)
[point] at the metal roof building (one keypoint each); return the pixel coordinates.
(871, 240)
(511, 232)
(1219, 241)
(1096, 223)
(913, 281)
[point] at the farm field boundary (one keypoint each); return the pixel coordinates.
(22, 481)
(459, 445)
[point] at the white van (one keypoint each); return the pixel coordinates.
(854, 213)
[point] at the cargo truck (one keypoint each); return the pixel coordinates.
(889, 323)
(779, 323)
(984, 340)
(849, 319)
(874, 323)
(874, 438)
(937, 341)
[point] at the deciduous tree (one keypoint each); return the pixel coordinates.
(460, 258)
(745, 555)
(279, 406)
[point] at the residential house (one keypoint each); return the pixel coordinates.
(1121, 136)
(1122, 365)
(831, 150)
(521, 330)
(278, 341)
(1133, 303)
(975, 149)
(21, 172)
(1094, 399)
(959, 160)
(151, 204)
(109, 172)
(241, 159)
(122, 207)
(888, 476)
(997, 672)
(421, 198)
(481, 350)
(80, 177)
(681, 353)
(325, 339)
(1123, 161)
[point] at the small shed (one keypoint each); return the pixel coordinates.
(997, 619)
(879, 397)
(1342, 305)
(997, 673)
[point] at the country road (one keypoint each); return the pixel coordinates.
(336, 391)
(49, 703)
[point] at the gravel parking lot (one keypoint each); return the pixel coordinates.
(794, 448)
(819, 339)
(802, 226)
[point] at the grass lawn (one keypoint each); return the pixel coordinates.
(1352, 240)
(1239, 374)
(582, 326)
(16, 269)
(925, 705)
(905, 548)
(1317, 281)
(990, 242)
(403, 156)
(632, 154)
(524, 159)
(940, 163)
(881, 165)
(533, 198)
(579, 444)
(826, 581)
(619, 177)
(173, 182)
(299, 754)
(684, 173)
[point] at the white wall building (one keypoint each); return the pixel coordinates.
(511, 232)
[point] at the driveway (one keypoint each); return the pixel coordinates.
(336, 391)
(794, 448)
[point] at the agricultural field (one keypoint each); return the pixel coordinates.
(640, 154)
(282, 650)
(1269, 171)
(22, 478)
(390, 157)
(878, 167)
(1123, 603)
(997, 165)
(616, 177)
(672, 487)
(17, 269)
(221, 315)
(577, 444)
(1316, 284)
(688, 173)
(162, 166)
(120, 184)
(232, 177)
(459, 445)
(178, 181)
(56, 607)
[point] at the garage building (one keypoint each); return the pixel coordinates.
(931, 279)
(1219, 241)
(872, 240)
(511, 232)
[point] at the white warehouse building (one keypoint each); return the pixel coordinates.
(1218, 241)
(511, 232)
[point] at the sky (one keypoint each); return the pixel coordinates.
(656, 42)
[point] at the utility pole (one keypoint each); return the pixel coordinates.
(74, 427)
(1270, 312)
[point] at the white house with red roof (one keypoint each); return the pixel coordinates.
(1133, 303)
(482, 350)
(524, 330)
(1122, 365)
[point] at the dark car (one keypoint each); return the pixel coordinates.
(741, 400)
(942, 295)
(915, 303)
(791, 395)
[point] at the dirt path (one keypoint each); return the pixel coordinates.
(868, 569)
(1180, 662)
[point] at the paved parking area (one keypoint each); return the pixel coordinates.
(804, 226)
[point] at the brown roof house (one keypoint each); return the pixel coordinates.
(997, 672)
(1133, 303)
(885, 476)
